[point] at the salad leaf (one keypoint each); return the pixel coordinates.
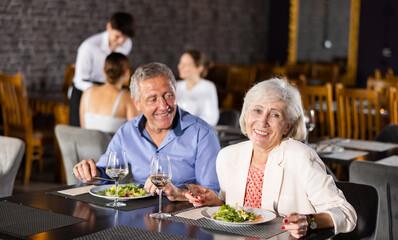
(227, 213)
(128, 190)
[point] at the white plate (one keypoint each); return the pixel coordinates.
(323, 149)
(94, 192)
(209, 213)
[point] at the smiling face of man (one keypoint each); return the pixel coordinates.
(157, 102)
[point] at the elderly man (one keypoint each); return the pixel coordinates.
(162, 127)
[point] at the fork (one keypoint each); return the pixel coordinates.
(137, 184)
(106, 179)
(275, 205)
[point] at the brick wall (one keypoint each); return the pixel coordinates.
(312, 25)
(39, 37)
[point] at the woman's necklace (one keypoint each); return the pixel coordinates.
(262, 165)
(258, 165)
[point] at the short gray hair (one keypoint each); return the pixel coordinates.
(148, 71)
(280, 90)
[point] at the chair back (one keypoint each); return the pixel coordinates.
(365, 200)
(17, 116)
(229, 118)
(393, 104)
(77, 144)
(388, 134)
(358, 112)
(385, 179)
(11, 153)
(239, 80)
(68, 78)
(383, 86)
(320, 99)
(264, 70)
(325, 72)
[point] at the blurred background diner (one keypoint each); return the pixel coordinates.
(107, 107)
(195, 94)
(335, 52)
(91, 56)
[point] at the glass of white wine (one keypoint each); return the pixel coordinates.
(160, 175)
(117, 168)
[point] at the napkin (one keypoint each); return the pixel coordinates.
(193, 214)
(77, 191)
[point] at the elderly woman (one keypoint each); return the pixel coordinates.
(275, 170)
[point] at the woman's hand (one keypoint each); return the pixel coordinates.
(203, 196)
(296, 224)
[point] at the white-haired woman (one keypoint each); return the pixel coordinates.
(274, 170)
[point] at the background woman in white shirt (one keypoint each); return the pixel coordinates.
(196, 95)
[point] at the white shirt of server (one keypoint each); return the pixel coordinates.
(91, 57)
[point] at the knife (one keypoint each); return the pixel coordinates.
(192, 189)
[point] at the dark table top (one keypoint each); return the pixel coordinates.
(100, 218)
(380, 150)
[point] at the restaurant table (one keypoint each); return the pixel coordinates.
(357, 150)
(350, 150)
(54, 215)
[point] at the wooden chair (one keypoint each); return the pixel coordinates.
(292, 71)
(393, 104)
(320, 99)
(325, 72)
(379, 74)
(239, 80)
(18, 121)
(68, 78)
(383, 86)
(218, 73)
(264, 70)
(358, 112)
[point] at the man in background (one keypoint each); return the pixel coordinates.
(91, 57)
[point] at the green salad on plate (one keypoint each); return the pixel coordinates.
(235, 214)
(128, 190)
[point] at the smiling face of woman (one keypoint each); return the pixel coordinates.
(266, 123)
(187, 67)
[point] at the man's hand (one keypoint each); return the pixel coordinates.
(86, 170)
(172, 192)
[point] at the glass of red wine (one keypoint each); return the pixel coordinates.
(160, 175)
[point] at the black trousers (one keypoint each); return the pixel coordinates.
(74, 103)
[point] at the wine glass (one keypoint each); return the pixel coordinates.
(309, 120)
(160, 175)
(117, 169)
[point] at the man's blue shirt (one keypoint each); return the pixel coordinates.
(191, 144)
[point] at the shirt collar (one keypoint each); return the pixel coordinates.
(181, 121)
(105, 41)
